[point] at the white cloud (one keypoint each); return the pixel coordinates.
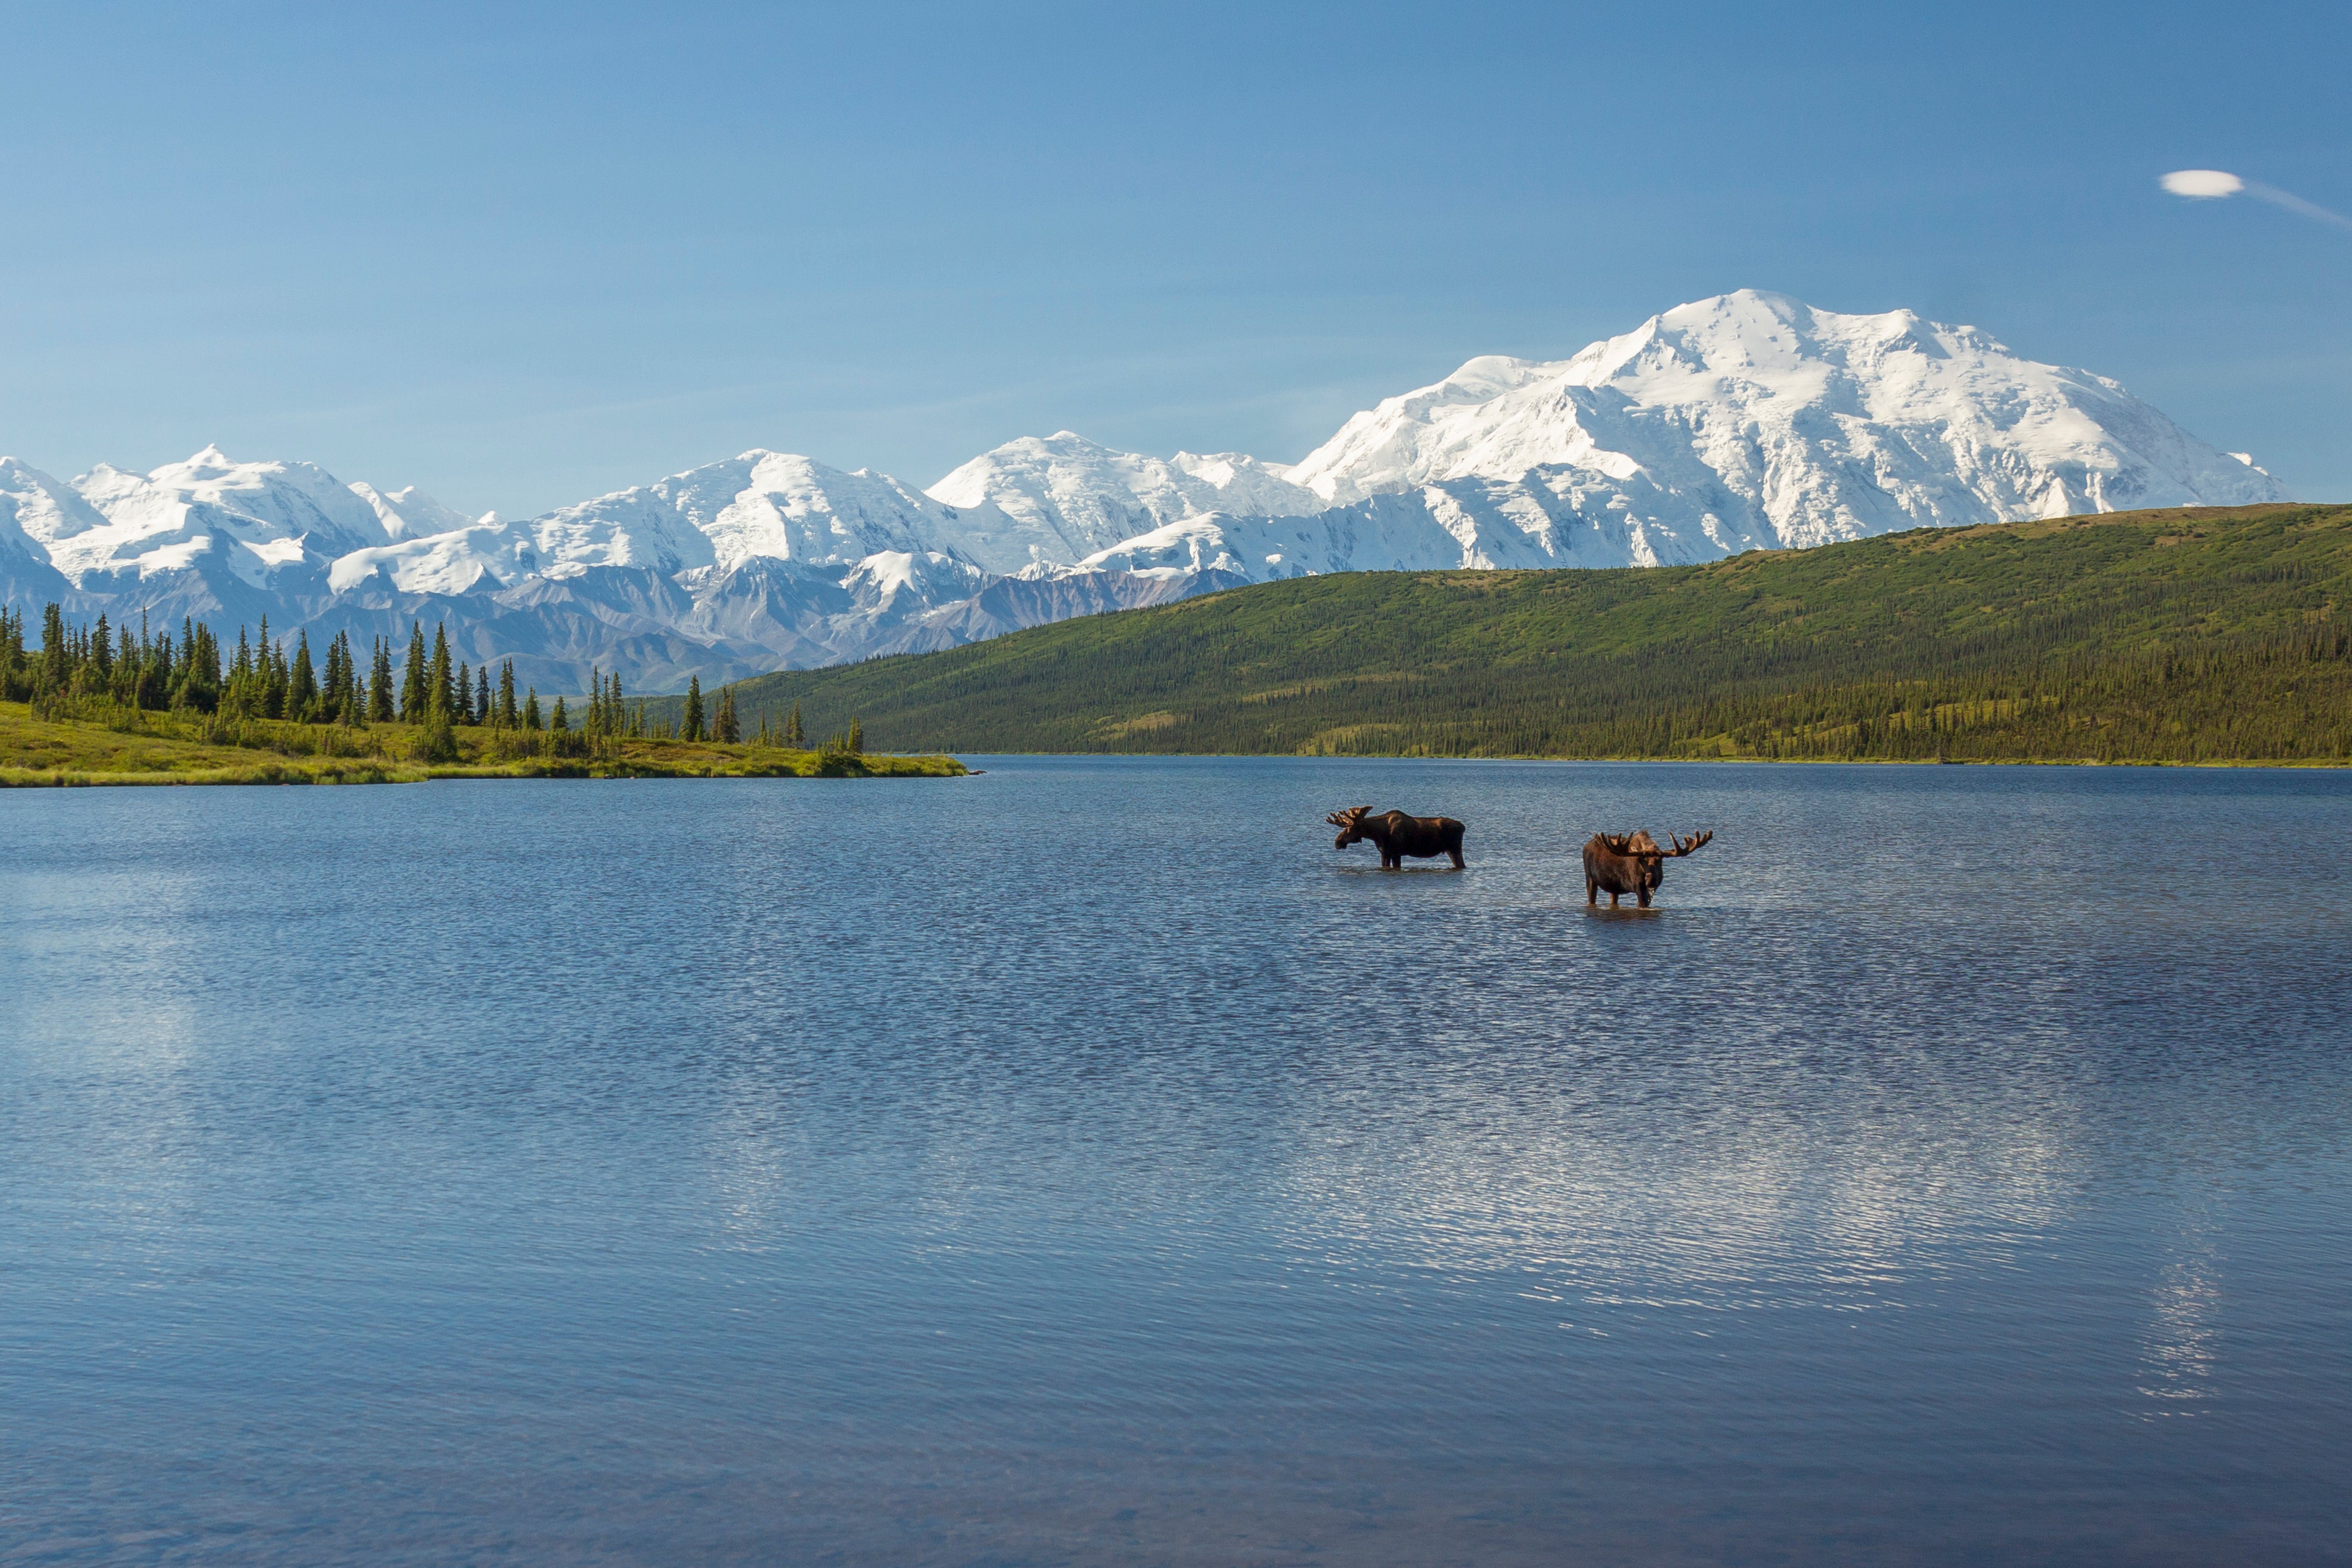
(2202, 184)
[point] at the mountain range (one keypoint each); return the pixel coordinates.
(1746, 421)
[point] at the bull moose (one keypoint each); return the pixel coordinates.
(1622, 863)
(1398, 836)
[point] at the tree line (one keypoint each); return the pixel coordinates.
(2178, 635)
(266, 678)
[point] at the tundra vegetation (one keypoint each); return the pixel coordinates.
(2190, 635)
(94, 704)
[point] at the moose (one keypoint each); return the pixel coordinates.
(1632, 863)
(1398, 836)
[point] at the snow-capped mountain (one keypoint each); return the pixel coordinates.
(1067, 498)
(1790, 427)
(1741, 422)
(409, 513)
(29, 504)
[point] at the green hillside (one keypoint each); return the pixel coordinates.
(2183, 635)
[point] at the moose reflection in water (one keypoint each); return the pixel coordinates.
(1398, 836)
(1622, 863)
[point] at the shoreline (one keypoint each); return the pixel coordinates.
(2320, 764)
(144, 749)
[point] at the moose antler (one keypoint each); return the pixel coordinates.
(1682, 848)
(1348, 818)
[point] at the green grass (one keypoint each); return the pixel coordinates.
(2187, 635)
(128, 748)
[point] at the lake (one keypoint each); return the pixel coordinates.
(1084, 1162)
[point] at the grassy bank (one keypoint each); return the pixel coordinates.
(2180, 636)
(128, 747)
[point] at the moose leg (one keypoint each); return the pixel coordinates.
(1456, 854)
(1612, 897)
(1591, 891)
(1642, 894)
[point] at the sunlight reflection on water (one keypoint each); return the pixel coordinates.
(1086, 1162)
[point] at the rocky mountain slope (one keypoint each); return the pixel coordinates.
(1741, 422)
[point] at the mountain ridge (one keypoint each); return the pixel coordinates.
(1749, 420)
(2177, 634)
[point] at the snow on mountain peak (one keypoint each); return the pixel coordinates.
(1791, 425)
(1066, 497)
(408, 514)
(1745, 420)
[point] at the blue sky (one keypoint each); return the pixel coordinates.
(521, 255)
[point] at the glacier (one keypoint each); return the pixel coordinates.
(1742, 422)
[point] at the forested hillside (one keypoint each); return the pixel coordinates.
(2182, 635)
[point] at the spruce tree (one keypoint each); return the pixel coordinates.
(507, 715)
(302, 684)
(482, 695)
(795, 733)
(439, 692)
(725, 728)
(355, 692)
(690, 728)
(380, 708)
(53, 667)
(275, 678)
(462, 708)
(531, 709)
(558, 721)
(857, 737)
(412, 678)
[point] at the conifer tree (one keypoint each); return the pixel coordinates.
(275, 678)
(338, 699)
(302, 684)
(461, 707)
(531, 709)
(857, 737)
(691, 727)
(482, 695)
(54, 666)
(12, 653)
(438, 691)
(412, 678)
(508, 717)
(380, 709)
(355, 692)
(794, 734)
(725, 728)
(559, 722)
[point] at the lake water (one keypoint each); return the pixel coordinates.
(1087, 1163)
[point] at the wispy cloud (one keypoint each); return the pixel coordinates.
(2210, 185)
